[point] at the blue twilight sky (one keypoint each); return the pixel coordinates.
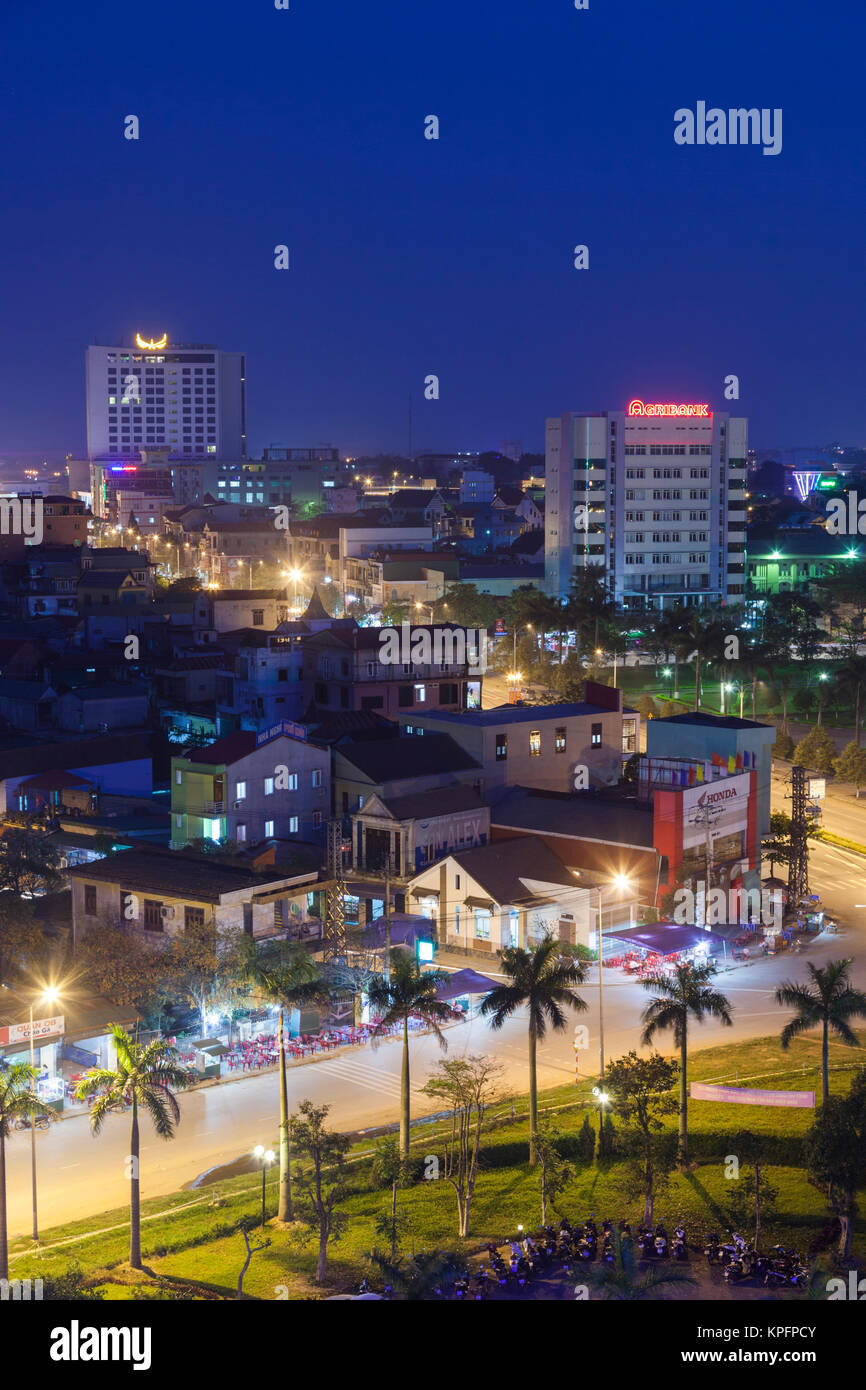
(454, 257)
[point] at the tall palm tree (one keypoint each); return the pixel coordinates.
(685, 993)
(18, 1101)
(145, 1077)
(539, 979)
(409, 991)
(831, 1001)
(623, 1280)
(292, 984)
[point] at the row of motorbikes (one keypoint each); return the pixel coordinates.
(782, 1267)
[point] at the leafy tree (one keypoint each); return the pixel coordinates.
(145, 1077)
(390, 1169)
(754, 1194)
(831, 1001)
(29, 862)
(22, 940)
(554, 1172)
(836, 1155)
(585, 1144)
(409, 991)
(322, 1185)
(851, 678)
(463, 604)
(543, 982)
(206, 965)
(684, 994)
(121, 966)
(467, 1086)
(18, 1101)
(641, 1089)
(395, 612)
(851, 766)
(646, 706)
(817, 750)
(791, 624)
(783, 746)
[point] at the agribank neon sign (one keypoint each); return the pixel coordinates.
(638, 408)
(151, 344)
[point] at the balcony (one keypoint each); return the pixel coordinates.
(208, 808)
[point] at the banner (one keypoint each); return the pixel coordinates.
(739, 1095)
(42, 1028)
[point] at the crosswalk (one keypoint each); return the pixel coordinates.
(360, 1073)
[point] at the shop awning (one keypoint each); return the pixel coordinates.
(465, 982)
(663, 938)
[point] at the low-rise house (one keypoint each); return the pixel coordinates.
(559, 748)
(499, 895)
(350, 669)
(101, 708)
(396, 767)
(417, 829)
(161, 894)
(115, 764)
(250, 787)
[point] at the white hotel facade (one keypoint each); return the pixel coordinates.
(655, 497)
(187, 398)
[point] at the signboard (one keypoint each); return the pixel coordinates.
(817, 788)
(670, 408)
(284, 727)
(740, 1095)
(42, 1028)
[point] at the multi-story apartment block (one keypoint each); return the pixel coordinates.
(654, 497)
(187, 398)
(250, 787)
(343, 670)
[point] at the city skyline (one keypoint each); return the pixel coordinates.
(454, 257)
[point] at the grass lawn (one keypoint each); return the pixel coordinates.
(196, 1250)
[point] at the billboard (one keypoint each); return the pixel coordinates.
(42, 1028)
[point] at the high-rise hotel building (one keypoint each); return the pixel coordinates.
(187, 398)
(655, 497)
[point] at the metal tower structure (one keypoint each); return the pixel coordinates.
(335, 908)
(798, 867)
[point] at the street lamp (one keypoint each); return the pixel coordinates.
(622, 882)
(603, 1099)
(49, 996)
(266, 1158)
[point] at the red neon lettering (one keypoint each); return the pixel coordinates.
(639, 408)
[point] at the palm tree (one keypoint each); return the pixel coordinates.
(417, 1277)
(18, 1101)
(685, 993)
(540, 979)
(409, 991)
(145, 1077)
(292, 984)
(831, 1002)
(623, 1280)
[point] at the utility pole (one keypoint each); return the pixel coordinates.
(388, 916)
(335, 907)
(798, 866)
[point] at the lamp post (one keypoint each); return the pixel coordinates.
(266, 1158)
(48, 997)
(603, 1099)
(620, 881)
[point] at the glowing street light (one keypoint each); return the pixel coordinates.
(48, 996)
(266, 1158)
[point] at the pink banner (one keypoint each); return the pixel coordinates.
(739, 1095)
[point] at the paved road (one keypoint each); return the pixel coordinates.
(80, 1176)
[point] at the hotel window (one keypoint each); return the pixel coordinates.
(560, 740)
(90, 899)
(178, 776)
(420, 694)
(293, 825)
(317, 819)
(193, 917)
(457, 881)
(240, 791)
(629, 737)
(535, 743)
(293, 782)
(269, 786)
(152, 915)
(241, 833)
(595, 736)
(501, 747)
(269, 829)
(317, 777)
